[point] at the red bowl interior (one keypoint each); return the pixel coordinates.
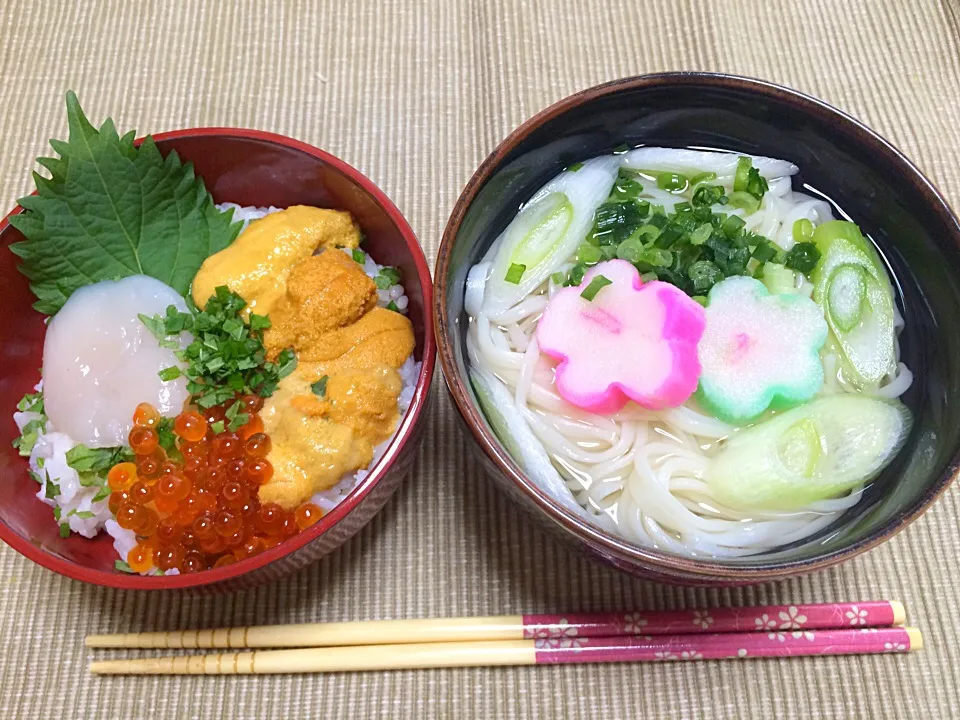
(245, 167)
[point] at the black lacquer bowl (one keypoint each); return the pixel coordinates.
(860, 173)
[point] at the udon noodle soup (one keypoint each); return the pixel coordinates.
(682, 348)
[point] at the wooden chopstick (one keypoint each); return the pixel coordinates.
(544, 651)
(770, 618)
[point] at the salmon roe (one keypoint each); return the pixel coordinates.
(200, 509)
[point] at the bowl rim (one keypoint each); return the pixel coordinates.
(360, 491)
(612, 548)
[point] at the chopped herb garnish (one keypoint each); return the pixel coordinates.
(235, 418)
(359, 256)
(31, 402)
(82, 514)
(707, 195)
(575, 276)
(576, 166)
(167, 438)
(802, 230)
(123, 567)
(803, 257)
(387, 278)
(50, 488)
(218, 427)
(227, 356)
(672, 182)
(393, 306)
(515, 273)
(170, 373)
(621, 149)
(319, 388)
(64, 530)
(596, 285)
(557, 278)
(57, 512)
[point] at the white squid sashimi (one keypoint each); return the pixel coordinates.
(699, 161)
(546, 232)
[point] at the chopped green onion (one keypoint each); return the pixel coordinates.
(64, 530)
(732, 225)
(703, 177)
(621, 149)
(742, 176)
(589, 254)
(757, 184)
(802, 230)
(576, 275)
(672, 182)
(669, 235)
(803, 257)
(319, 388)
(701, 234)
(657, 257)
(700, 300)
(647, 233)
(682, 208)
(557, 278)
(625, 188)
(123, 567)
(744, 201)
(630, 249)
(393, 306)
(514, 273)
(596, 285)
(576, 166)
(359, 256)
(704, 275)
(764, 252)
(707, 195)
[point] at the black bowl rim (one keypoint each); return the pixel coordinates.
(608, 545)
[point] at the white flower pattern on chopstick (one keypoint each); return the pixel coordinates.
(664, 655)
(856, 615)
(560, 635)
(633, 623)
(702, 619)
(691, 655)
(765, 622)
(894, 646)
(791, 619)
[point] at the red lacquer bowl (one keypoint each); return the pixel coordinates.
(249, 168)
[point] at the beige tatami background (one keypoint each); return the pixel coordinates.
(415, 94)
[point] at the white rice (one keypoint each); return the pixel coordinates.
(409, 371)
(48, 459)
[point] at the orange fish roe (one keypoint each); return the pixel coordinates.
(201, 511)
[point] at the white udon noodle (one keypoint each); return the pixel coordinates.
(640, 473)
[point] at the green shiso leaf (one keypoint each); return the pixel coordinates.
(111, 210)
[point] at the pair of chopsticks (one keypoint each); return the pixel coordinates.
(635, 636)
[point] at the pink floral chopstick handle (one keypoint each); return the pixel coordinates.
(716, 646)
(770, 619)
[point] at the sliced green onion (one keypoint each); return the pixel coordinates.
(669, 235)
(707, 195)
(359, 256)
(700, 300)
(673, 182)
(764, 252)
(757, 184)
(703, 178)
(576, 275)
(515, 273)
(802, 230)
(589, 254)
(576, 166)
(657, 257)
(621, 149)
(803, 257)
(596, 285)
(631, 249)
(742, 177)
(701, 234)
(744, 201)
(704, 275)
(658, 210)
(732, 225)
(557, 278)
(682, 208)
(643, 207)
